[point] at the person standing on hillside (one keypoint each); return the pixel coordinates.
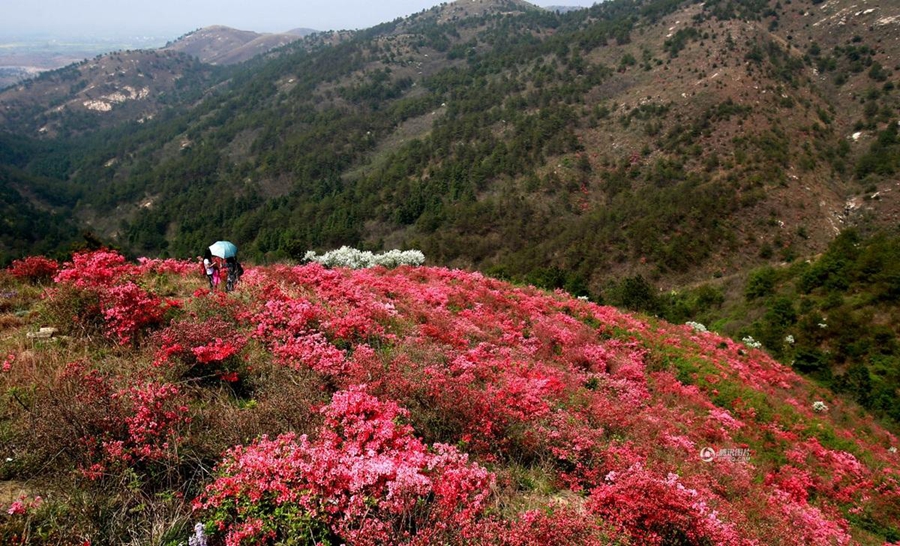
(234, 273)
(209, 269)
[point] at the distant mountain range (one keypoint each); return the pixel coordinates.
(218, 45)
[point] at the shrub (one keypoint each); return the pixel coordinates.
(358, 259)
(98, 286)
(105, 428)
(365, 480)
(657, 510)
(199, 349)
(34, 269)
(761, 283)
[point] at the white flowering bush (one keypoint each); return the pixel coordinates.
(752, 343)
(360, 259)
(819, 406)
(696, 326)
(789, 339)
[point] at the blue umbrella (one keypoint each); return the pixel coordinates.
(223, 249)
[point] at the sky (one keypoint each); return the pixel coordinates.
(176, 17)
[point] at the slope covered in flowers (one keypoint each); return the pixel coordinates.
(409, 406)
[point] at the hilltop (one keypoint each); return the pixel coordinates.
(130, 85)
(224, 45)
(414, 405)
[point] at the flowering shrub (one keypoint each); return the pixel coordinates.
(153, 415)
(359, 259)
(811, 526)
(98, 286)
(133, 426)
(95, 269)
(200, 349)
(365, 480)
(34, 269)
(216, 351)
(696, 326)
(7, 363)
(181, 268)
(128, 308)
(657, 510)
(752, 343)
(22, 505)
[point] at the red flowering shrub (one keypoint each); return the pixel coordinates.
(793, 481)
(200, 349)
(808, 525)
(34, 269)
(181, 268)
(22, 505)
(94, 269)
(99, 286)
(365, 480)
(16, 520)
(657, 510)
(7, 363)
(153, 415)
(216, 351)
(128, 308)
(133, 426)
(311, 351)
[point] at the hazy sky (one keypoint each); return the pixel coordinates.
(176, 17)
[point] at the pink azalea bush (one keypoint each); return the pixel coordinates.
(366, 479)
(136, 425)
(208, 348)
(100, 286)
(22, 505)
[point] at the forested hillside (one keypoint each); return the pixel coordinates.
(674, 139)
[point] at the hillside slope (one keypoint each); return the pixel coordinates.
(107, 91)
(415, 405)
